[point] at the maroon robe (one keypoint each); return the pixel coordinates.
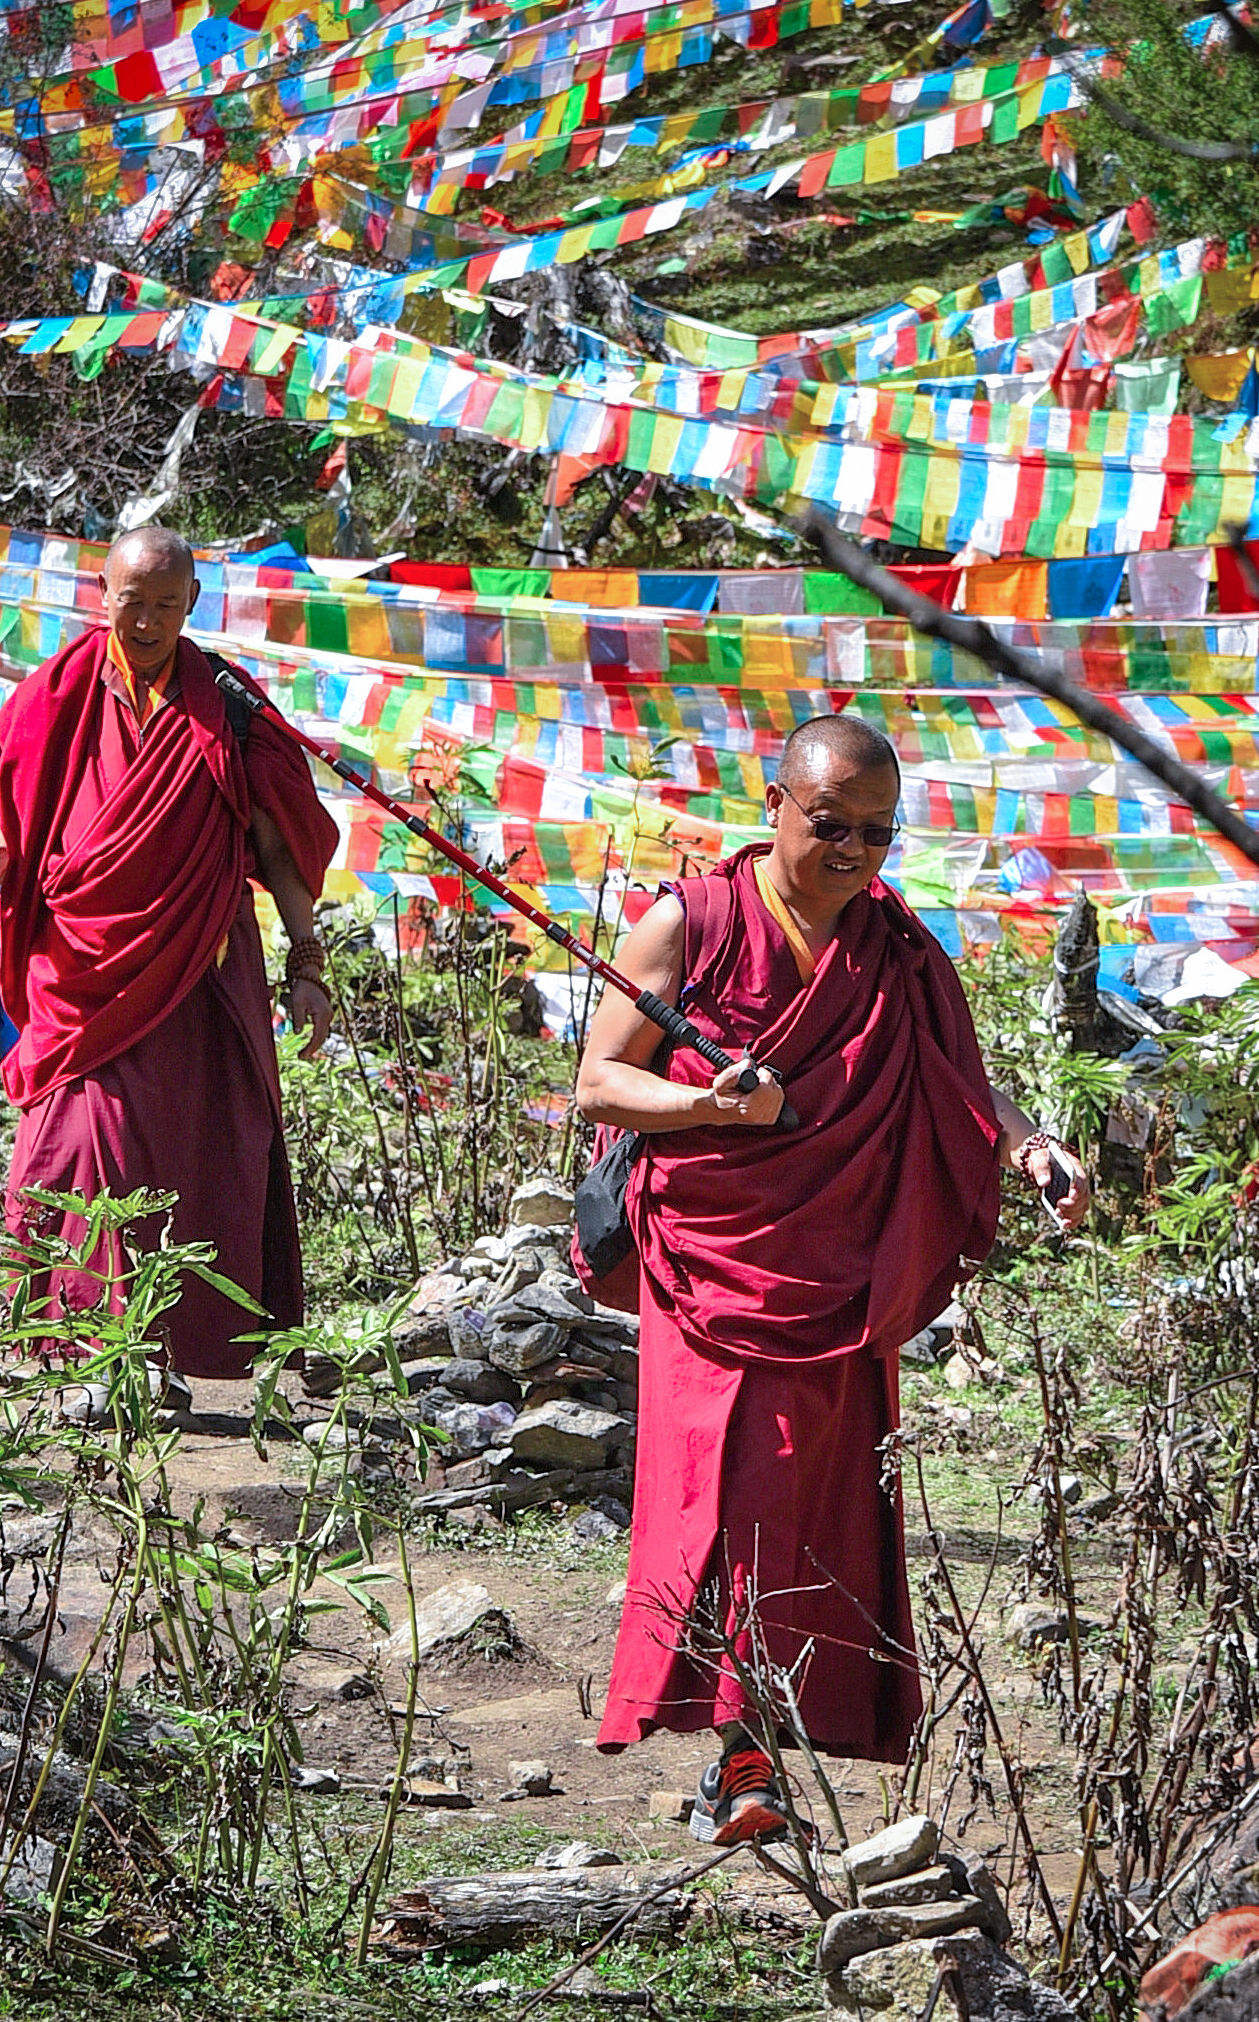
(131, 964)
(779, 1275)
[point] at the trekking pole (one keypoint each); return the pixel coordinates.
(678, 1027)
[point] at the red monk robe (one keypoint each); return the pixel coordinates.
(779, 1275)
(131, 964)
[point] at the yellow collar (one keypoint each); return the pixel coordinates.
(806, 961)
(154, 691)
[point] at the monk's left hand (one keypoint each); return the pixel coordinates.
(1073, 1206)
(310, 1005)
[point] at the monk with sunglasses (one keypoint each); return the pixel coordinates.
(781, 1270)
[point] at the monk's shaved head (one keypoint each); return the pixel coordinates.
(812, 746)
(157, 548)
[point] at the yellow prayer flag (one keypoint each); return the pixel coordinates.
(1236, 498)
(1086, 498)
(533, 420)
(661, 53)
(81, 330)
(1070, 541)
(567, 639)
(665, 437)
(880, 163)
(1220, 375)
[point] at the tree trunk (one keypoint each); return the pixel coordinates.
(497, 1910)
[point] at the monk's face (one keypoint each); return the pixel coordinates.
(148, 603)
(831, 788)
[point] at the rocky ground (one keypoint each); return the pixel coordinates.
(517, 1535)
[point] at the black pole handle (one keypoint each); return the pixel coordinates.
(683, 1033)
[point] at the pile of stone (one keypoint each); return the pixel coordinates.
(533, 1385)
(927, 1926)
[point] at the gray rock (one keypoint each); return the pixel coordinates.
(34, 1872)
(1032, 1624)
(625, 1326)
(542, 1203)
(467, 1334)
(480, 1383)
(546, 1302)
(1043, 1491)
(453, 1615)
(670, 1807)
(435, 1795)
(562, 1277)
(995, 1923)
(523, 1345)
(315, 1782)
(27, 1537)
(422, 1375)
(909, 1844)
(471, 1428)
(328, 1681)
(929, 1885)
(474, 1473)
(953, 1320)
(525, 1268)
(919, 1352)
(326, 1438)
(492, 1249)
(529, 1239)
(895, 1984)
(592, 1527)
(437, 1289)
(423, 1333)
(564, 1433)
(85, 1404)
(534, 1778)
(578, 1853)
(850, 1933)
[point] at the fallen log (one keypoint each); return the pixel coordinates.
(490, 1912)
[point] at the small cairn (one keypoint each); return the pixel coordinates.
(927, 1925)
(534, 1386)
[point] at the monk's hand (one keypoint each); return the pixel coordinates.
(1074, 1205)
(310, 1004)
(761, 1106)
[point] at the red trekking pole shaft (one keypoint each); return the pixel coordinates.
(678, 1027)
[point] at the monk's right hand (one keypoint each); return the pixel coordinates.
(760, 1107)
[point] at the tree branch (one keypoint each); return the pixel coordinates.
(1034, 671)
(1131, 122)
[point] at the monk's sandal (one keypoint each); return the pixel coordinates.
(739, 1799)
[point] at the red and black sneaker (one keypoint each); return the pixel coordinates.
(739, 1799)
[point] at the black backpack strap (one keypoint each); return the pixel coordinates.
(238, 710)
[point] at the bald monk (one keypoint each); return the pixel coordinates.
(132, 817)
(780, 1271)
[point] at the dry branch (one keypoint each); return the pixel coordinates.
(1034, 671)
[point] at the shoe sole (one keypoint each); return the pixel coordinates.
(752, 1821)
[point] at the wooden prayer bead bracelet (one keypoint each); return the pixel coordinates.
(305, 961)
(1039, 1140)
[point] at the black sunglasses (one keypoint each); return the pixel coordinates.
(876, 835)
